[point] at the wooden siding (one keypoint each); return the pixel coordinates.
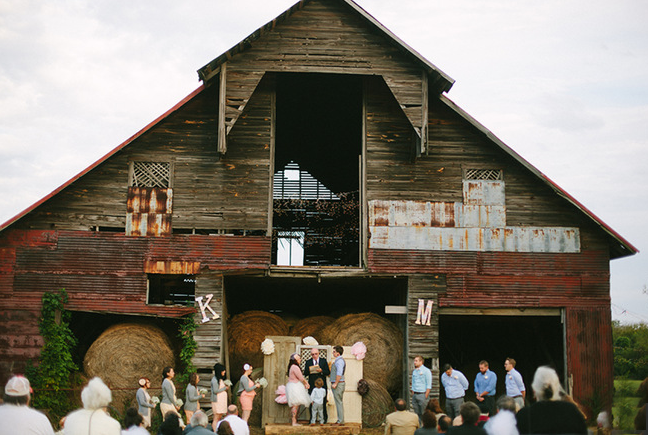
(209, 335)
(423, 339)
(324, 37)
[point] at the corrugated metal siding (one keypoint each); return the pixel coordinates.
(590, 354)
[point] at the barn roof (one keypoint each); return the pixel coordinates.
(439, 80)
(620, 247)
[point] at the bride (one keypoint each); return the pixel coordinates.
(296, 388)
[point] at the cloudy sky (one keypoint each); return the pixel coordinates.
(562, 82)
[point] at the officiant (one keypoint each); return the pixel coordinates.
(317, 368)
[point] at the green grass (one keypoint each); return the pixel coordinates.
(624, 405)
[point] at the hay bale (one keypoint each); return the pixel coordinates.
(376, 404)
(311, 326)
(126, 352)
(383, 362)
(245, 333)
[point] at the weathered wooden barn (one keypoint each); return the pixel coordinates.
(318, 169)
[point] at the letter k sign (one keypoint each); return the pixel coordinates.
(206, 305)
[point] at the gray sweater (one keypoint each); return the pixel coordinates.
(215, 390)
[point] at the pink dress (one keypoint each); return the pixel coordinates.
(247, 397)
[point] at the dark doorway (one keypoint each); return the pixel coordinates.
(532, 341)
(317, 157)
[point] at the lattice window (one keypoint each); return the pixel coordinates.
(483, 174)
(151, 174)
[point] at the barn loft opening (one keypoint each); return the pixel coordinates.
(316, 193)
(532, 341)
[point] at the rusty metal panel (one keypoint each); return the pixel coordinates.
(172, 267)
(509, 239)
(481, 216)
(412, 213)
(149, 211)
(483, 192)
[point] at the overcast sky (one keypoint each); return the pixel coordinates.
(562, 82)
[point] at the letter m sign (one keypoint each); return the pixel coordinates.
(424, 313)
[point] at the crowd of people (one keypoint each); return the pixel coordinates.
(554, 411)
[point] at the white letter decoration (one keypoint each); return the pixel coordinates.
(206, 305)
(424, 314)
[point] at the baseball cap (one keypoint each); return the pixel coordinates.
(17, 386)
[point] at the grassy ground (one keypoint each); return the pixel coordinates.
(624, 405)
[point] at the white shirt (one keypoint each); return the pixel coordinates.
(135, 430)
(78, 422)
(503, 423)
(23, 420)
(238, 425)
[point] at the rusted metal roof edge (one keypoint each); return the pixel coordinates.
(626, 248)
(211, 68)
(104, 158)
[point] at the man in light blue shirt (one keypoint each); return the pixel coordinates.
(455, 384)
(485, 383)
(514, 383)
(337, 378)
(421, 386)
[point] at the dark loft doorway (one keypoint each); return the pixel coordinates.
(317, 170)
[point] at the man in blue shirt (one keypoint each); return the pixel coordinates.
(455, 384)
(485, 383)
(421, 386)
(514, 383)
(337, 378)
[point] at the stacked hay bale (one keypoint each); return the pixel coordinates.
(246, 331)
(383, 363)
(311, 326)
(126, 352)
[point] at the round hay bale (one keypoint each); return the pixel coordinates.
(245, 333)
(376, 404)
(311, 326)
(384, 341)
(126, 352)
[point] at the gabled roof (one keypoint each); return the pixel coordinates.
(622, 248)
(55, 192)
(442, 80)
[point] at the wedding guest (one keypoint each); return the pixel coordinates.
(246, 391)
(93, 418)
(218, 394)
(134, 423)
(144, 403)
(169, 400)
(192, 395)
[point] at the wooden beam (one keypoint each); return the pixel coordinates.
(424, 112)
(222, 96)
(456, 311)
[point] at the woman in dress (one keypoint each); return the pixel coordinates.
(192, 395)
(168, 403)
(144, 401)
(296, 387)
(218, 394)
(246, 390)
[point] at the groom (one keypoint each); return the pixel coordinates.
(317, 368)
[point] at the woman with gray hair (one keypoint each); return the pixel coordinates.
(93, 418)
(554, 412)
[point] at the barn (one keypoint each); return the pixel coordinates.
(320, 169)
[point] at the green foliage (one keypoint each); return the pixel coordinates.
(189, 346)
(630, 350)
(52, 379)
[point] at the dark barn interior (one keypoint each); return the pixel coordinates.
(532, 341)
(319, 132)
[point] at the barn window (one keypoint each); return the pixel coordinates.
(171, 289)
(150, 174)
(317, 180)
(483, 174)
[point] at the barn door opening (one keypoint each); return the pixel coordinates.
(316, 195)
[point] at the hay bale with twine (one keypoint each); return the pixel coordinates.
(245, 333)
(376, 404)
(311, 326)
(126, 352)
(384, 341)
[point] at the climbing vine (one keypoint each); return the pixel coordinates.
(52, 377)
(189, 346)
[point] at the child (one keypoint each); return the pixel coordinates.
(317, 396)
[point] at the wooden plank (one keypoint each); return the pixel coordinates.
(222, 96)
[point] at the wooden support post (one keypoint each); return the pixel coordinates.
(222, 96)
(424, 113)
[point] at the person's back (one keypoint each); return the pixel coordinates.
(16, 415)
(470, 415)
(429, 424)
(238, 425)
(401, 422)
(93, 418)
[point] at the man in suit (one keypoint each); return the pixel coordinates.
(317, 368)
